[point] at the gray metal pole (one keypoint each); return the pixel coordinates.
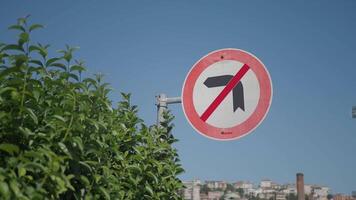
(162, 102)
(353, 112)
(161, 107)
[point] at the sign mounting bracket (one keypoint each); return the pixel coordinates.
(162, 102)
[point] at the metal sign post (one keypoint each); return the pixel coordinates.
(162, 102)
(354, 112)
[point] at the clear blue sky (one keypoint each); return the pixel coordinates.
(147, 47)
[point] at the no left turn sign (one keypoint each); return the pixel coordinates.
(227, 94)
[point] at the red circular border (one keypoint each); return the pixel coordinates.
(251, 122)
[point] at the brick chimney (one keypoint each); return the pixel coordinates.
(300, 186)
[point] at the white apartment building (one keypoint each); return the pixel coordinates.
(308, 189)
(221, 185)
(266, 183)
(257, 191)
(192, 190)
(215, 195)
(245, 185)
(280, 196)
(320, 192)
(289, 189)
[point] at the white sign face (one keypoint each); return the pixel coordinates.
(225, 116)
(227, 94)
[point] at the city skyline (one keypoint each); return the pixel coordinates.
(257, 184)
(266, 189)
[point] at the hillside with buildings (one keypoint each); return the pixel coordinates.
(265, 190)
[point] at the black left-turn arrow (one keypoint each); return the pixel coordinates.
(237, 92)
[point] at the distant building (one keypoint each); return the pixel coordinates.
(280, 196)
(204, 196)
(308, 189)
(257, 192)
(266, 183)
(215, 195)
(276, 186)
(232, 195)
(289, 189)
(191, 190)
(245, 185)
(267, 195)
(216, 185)
(216, 190)
(270, 190)
(343, 197)
(320, 192)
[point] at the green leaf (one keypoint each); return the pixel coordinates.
(4, 189)
(21, 171)
(36, 95)
(23, 38)
(154, 177)
(59, 118)
(35, 26)
(78, 141)
(15, 188)
(134, 168)
(64, 148)
(22, 20)
(34, 48)
(32, 166)
(179, 170)
(67, 181)
(52, 60)
(108, 106)
(41, 50)
(37, 62)
(9, 148)
(32, 115)
(9, 70)
(126, 96)
(85, 165)
(26, 131)
(90, 82)
(20, 59)
(104, 192)
(75, 77)
(84, 180)
(5, 89)
(97, 178)
(149, 189)
(33, 154)
(94, 123)
(60, 65)
(17, 27)
(77, 68)
(13, 47)
(68, 56)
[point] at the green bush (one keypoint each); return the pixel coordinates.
(61, 138)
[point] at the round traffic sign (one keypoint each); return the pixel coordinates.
(227, 94)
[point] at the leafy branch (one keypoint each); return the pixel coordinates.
(61, 138)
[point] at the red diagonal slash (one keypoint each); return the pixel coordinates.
(232, 83)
